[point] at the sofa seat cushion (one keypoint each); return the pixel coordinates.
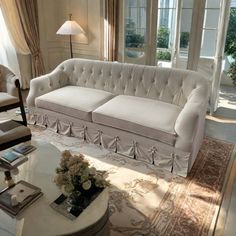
(74, 101)
(146, 117)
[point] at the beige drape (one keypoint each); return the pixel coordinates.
(112, 17)
(28, 13)
(12, 21)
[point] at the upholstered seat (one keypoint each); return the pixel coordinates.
(7, 99)
(12, 133)
(10, 92)
(146, 117)
(79, 102)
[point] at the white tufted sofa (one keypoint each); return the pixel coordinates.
(152, 114)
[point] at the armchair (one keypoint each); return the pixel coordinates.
(10, 93)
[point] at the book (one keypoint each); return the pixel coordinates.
(26, 194)
(12, 159)
(24, 149)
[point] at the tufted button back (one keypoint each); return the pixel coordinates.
(169, 85)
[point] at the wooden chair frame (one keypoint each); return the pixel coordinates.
(17, 104)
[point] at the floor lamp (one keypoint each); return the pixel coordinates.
(70, 27)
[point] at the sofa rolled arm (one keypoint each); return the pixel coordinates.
(194, 109)
(186, 121)
(45, 84)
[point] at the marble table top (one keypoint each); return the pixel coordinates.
(40, 218)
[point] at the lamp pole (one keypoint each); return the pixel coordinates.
(71, 52)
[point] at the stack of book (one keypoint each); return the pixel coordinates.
(15, 156)
(23, 194)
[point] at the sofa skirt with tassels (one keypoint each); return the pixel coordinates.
(119, 141)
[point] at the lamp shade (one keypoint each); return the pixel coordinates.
(70, 27)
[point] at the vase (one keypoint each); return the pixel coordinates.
(76, 198)
(83, 197)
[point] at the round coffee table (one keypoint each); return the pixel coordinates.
(40, 218)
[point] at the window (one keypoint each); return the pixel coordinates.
(230, 46)
(135, 29)
(185, 28)
(164, 34)
(183, 33)
(141, 26)
(166, 23)
(210, 26)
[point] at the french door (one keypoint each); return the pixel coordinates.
(149, 31)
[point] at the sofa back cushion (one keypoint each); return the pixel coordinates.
(168, 85)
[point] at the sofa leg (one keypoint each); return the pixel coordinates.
(173, 158)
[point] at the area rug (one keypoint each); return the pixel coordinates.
(145, 200)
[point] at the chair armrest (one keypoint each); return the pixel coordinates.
(45, 84)
(9, 81)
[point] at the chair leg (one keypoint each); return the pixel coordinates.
(22, 109)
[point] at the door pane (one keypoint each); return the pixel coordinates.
(208, 43)
(135, 31)
(188, 4)
(165, 31)
(209, 37)
(212, 3)
(211, 18)
(210, 27)
(185, 29)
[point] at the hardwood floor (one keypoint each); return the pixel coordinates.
(223, 126)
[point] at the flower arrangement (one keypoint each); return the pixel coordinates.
(75, 175)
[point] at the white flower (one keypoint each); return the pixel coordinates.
(87, 185)
(60, 179)
(75, 170)
(83, 178)
(85, 172)
(68, 188)
(92, 171)
(66, 153)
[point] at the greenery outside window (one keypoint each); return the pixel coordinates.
(135, 28)
(165, 29)
(230, 45)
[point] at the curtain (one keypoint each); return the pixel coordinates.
(19, 49)
(112, 29)
(8, 56)
(28, 13)
(12, 21)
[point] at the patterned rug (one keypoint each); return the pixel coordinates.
(145, 200)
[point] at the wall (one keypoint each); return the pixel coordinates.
(55, 48)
